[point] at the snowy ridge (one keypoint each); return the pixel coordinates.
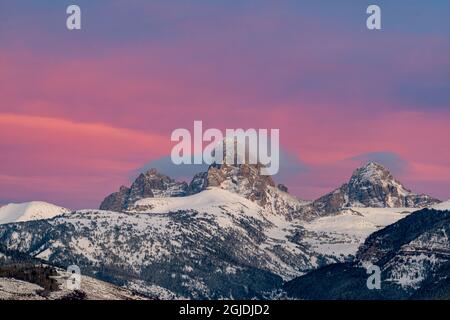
(341, 235)
(211, 200)
(28, 211)
(442, 206)
(237, 236)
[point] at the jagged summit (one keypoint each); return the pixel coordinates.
(375, 174)
(371, 185)
(147, 185)
(374, 185)
(372, 171)
(246, 180)
(242, 179)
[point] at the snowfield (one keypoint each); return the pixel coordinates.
(335, 238)
(211, 201)
(29, 211)
(341, 235)
(442, 206)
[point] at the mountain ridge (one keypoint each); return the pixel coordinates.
(371, 185)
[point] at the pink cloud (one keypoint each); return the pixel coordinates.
(73, 126)
(87, 160)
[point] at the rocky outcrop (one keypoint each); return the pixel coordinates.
(283, 188)
(374, 186)
(147, 185)
(243, 179)
(154, 184)
(246, 180)
(116, 201)
(198, 183)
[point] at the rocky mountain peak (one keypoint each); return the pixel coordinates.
(374, 185)
(154, 184)
(374, 173)
(147, 185)
(247, 181)
(244, 179)
(283, 188)
(371, 171)
(371, 185)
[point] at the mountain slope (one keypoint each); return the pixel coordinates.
(12, 288)
(442, 206)
(341, 235)
(413, 255)
(412, 249)
(194, 254)
(245, 180)
(35, 210)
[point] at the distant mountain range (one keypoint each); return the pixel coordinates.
(229, 233)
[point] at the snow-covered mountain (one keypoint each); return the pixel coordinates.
(214, 244)
(243, 179)
(229, 233)
(28, 211)
(370, 186)
(413, 255)
(445, 205)
(412, 250)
